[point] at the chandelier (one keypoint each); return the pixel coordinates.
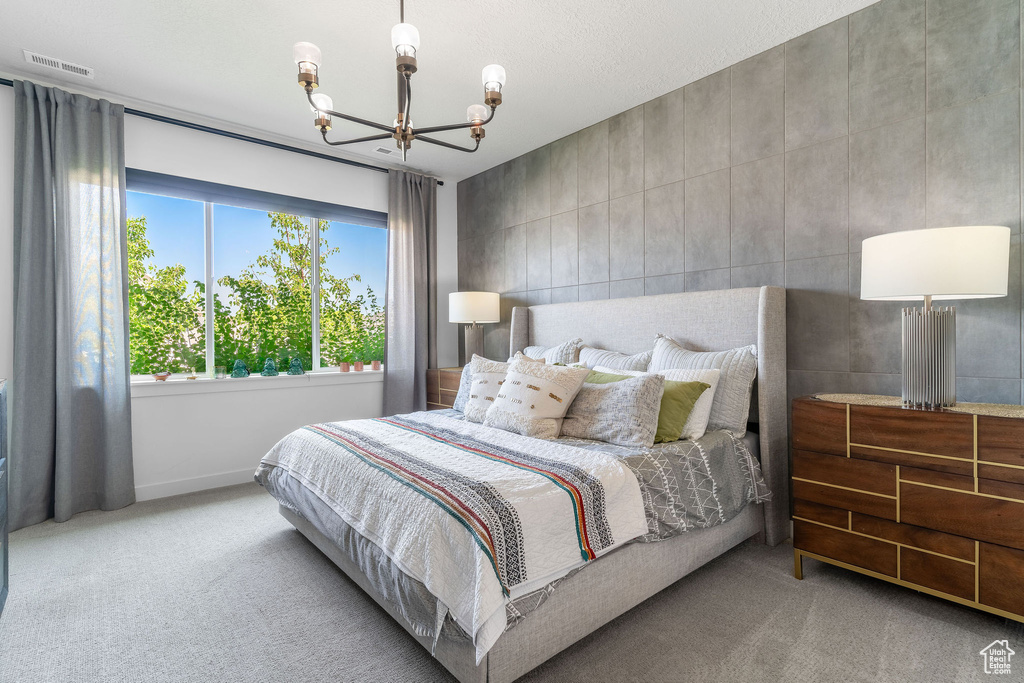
(406, 41)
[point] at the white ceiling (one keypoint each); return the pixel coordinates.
(570, 63)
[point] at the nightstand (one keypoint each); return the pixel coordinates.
(928, 499)
(442, 387)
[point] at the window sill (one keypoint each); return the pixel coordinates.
(143, 386)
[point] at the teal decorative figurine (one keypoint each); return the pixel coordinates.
(270, 368)
(295, 367)
(239, 369)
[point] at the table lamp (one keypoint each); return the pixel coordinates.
(938, 264)
(474, 308)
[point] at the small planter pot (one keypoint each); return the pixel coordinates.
(358, 366)
(375, 364)
(344, 367)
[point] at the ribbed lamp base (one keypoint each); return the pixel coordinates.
(929, 357)
(474, 337)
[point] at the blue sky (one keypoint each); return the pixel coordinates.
(175, 232)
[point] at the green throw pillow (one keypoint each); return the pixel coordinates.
(596, 377)
(676, 403)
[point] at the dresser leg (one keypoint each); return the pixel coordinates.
(798, 565)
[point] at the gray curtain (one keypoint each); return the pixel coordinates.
(411, 301)
(71, 441)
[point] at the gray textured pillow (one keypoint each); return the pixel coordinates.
(731, 406)
(592, 357)
(623, 413)
(566, 352)
(465, 383)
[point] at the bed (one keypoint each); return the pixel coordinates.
(552, 616)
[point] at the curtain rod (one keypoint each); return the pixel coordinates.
(238, 136)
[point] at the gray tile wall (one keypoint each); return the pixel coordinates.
(904, 115)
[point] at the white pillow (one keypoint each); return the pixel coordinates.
(534, 398)
(487, 378)
(566, 352)
(731, 408)
(592, 357)
(697, 423)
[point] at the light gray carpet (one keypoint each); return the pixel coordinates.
(216, 586)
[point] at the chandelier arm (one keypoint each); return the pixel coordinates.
(353, 119)
(368, 138)
(456, 126)
(408, 102)
(449, 145)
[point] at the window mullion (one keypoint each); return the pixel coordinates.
(314, 236)
(211, 357)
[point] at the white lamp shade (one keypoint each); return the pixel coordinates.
(474, 307)
(493, 73)
(405, 36)
(306, 52)
(970, 262)
(476, 113)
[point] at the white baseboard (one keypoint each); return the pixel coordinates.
(210, 481)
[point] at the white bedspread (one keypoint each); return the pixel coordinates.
(480, 516)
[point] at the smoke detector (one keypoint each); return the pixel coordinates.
(58, 64)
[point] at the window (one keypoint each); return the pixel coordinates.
(219, 274)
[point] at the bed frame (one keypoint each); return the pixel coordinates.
(614, 584)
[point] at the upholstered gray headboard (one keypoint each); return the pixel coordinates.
(702, 321)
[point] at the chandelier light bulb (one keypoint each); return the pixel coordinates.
(306, 52)
(493, 77)
(476, 113)
(323, 104)
(405, 39)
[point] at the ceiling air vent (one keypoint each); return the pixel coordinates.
(58, 64)
(386, 151)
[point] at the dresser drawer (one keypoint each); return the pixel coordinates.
(867, 553)
(914, 536)
(965, 513)
(450, 379)
(819, 426)
(840, 482)
(1001, 440)
(938, 573)
(999, 578)
(915, 431)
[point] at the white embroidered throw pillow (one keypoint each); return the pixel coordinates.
(487, 378)
(534, 398)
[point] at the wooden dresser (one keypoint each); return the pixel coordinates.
(442, 387)
(930, 500)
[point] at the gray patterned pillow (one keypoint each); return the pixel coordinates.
(731, 405)
(592, 357)
(465, 383)
(623, 412)
(566, 352)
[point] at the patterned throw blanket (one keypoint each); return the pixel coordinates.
(478, 515)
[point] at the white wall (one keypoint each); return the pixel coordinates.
(190, 441)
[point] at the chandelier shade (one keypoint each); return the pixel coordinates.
(405, 39)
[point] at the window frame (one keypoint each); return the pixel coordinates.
(212, 194)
